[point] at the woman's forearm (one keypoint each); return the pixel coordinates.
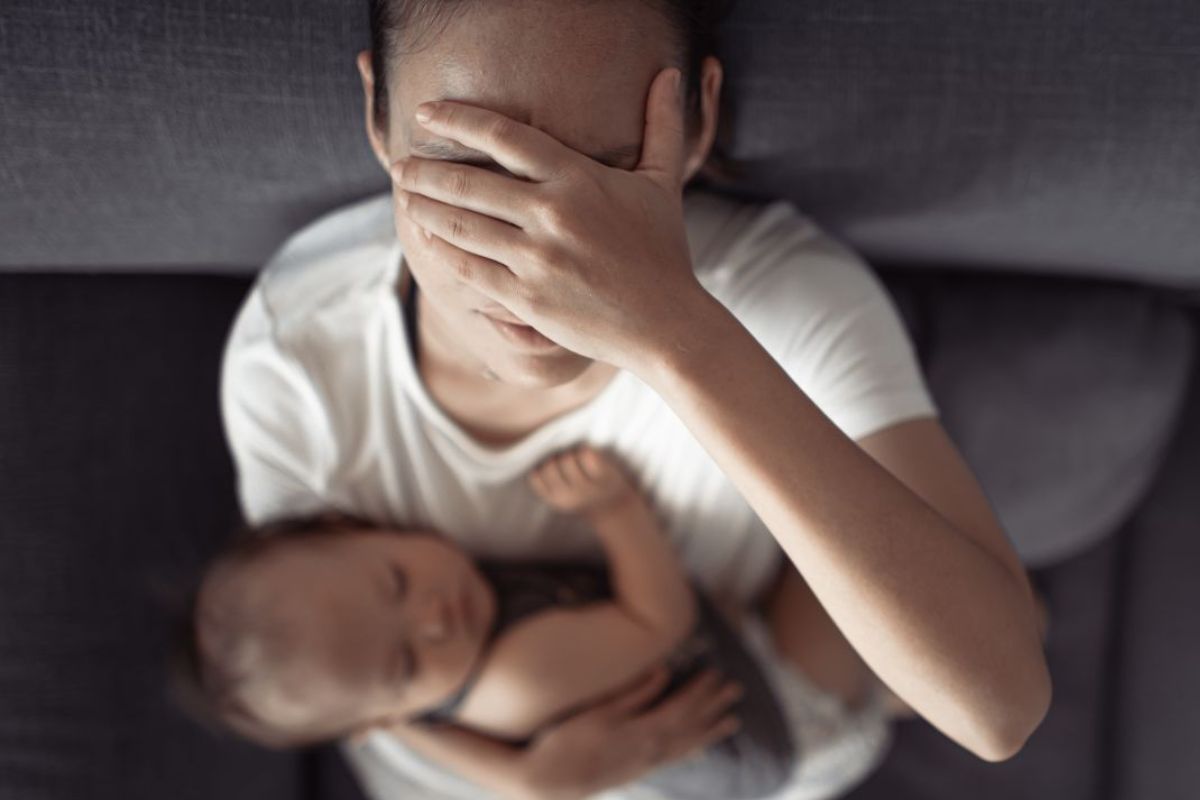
(648, 580)
(940, 619)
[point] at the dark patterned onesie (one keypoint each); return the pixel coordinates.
(751, 763)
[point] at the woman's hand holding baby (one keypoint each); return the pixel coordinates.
(619, 740)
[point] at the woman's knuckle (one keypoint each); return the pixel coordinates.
(458, 184)
(458, 227)
(535, 304)
(540, 253)
(464, 268)
(567, 172)
(551, 216)
(528, 252)
(553, 255)
(499, 130)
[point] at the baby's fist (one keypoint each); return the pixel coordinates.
(579, 479)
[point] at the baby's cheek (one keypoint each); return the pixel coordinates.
(441, 677)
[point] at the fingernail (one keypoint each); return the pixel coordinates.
(424, 112)
(402, 197)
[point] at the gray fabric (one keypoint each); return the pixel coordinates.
(1124, 653)
(754, 762)
(1046, 136)
(1065, 759)
(1057, 136)
(1061, 396)
(109, 429)
(1157, 696)
(178, 134)
(114, 487)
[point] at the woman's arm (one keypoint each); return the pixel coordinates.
(894, 536)
(929, 592)
(607, 745)
(484, 761)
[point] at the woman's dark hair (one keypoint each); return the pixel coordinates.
(399, 26)
(205, 689)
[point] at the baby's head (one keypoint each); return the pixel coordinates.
(312, 629)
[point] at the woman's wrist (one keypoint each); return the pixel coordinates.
(529, 783)
(684, 338)
(524, 786)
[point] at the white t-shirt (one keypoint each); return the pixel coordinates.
(323, 405)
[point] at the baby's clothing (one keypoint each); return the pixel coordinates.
(749, 764)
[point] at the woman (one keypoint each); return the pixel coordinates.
(538, 277)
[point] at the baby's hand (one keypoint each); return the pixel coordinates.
(580, 479)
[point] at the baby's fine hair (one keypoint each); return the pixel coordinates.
(208, 685)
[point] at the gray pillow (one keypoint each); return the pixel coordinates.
(1061, 395)
(196, 136)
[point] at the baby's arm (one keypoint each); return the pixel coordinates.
(564, 657)
(648, 581)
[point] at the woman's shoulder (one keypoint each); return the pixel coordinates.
(348, 250)
(748, 251)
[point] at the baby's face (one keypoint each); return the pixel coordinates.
(378, 625)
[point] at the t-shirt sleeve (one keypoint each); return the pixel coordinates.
(275, 426)
(830, 322)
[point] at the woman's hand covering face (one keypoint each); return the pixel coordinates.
(593, 257)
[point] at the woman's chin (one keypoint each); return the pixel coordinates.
(539, 370)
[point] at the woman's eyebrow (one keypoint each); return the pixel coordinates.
(451, 151)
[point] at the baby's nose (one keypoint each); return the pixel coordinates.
(434, 622)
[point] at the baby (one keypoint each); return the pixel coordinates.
(321, 628)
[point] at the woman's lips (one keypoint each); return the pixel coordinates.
(500, 313)
(521, 335)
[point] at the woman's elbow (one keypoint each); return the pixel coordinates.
(1006, 733)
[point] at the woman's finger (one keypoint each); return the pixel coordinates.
(717, 705)
(521, 149)
(664, 148)
(634, 698)
(475, 233)
(467, 186)
(488, 277)
(684, 747)
(682, 705)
